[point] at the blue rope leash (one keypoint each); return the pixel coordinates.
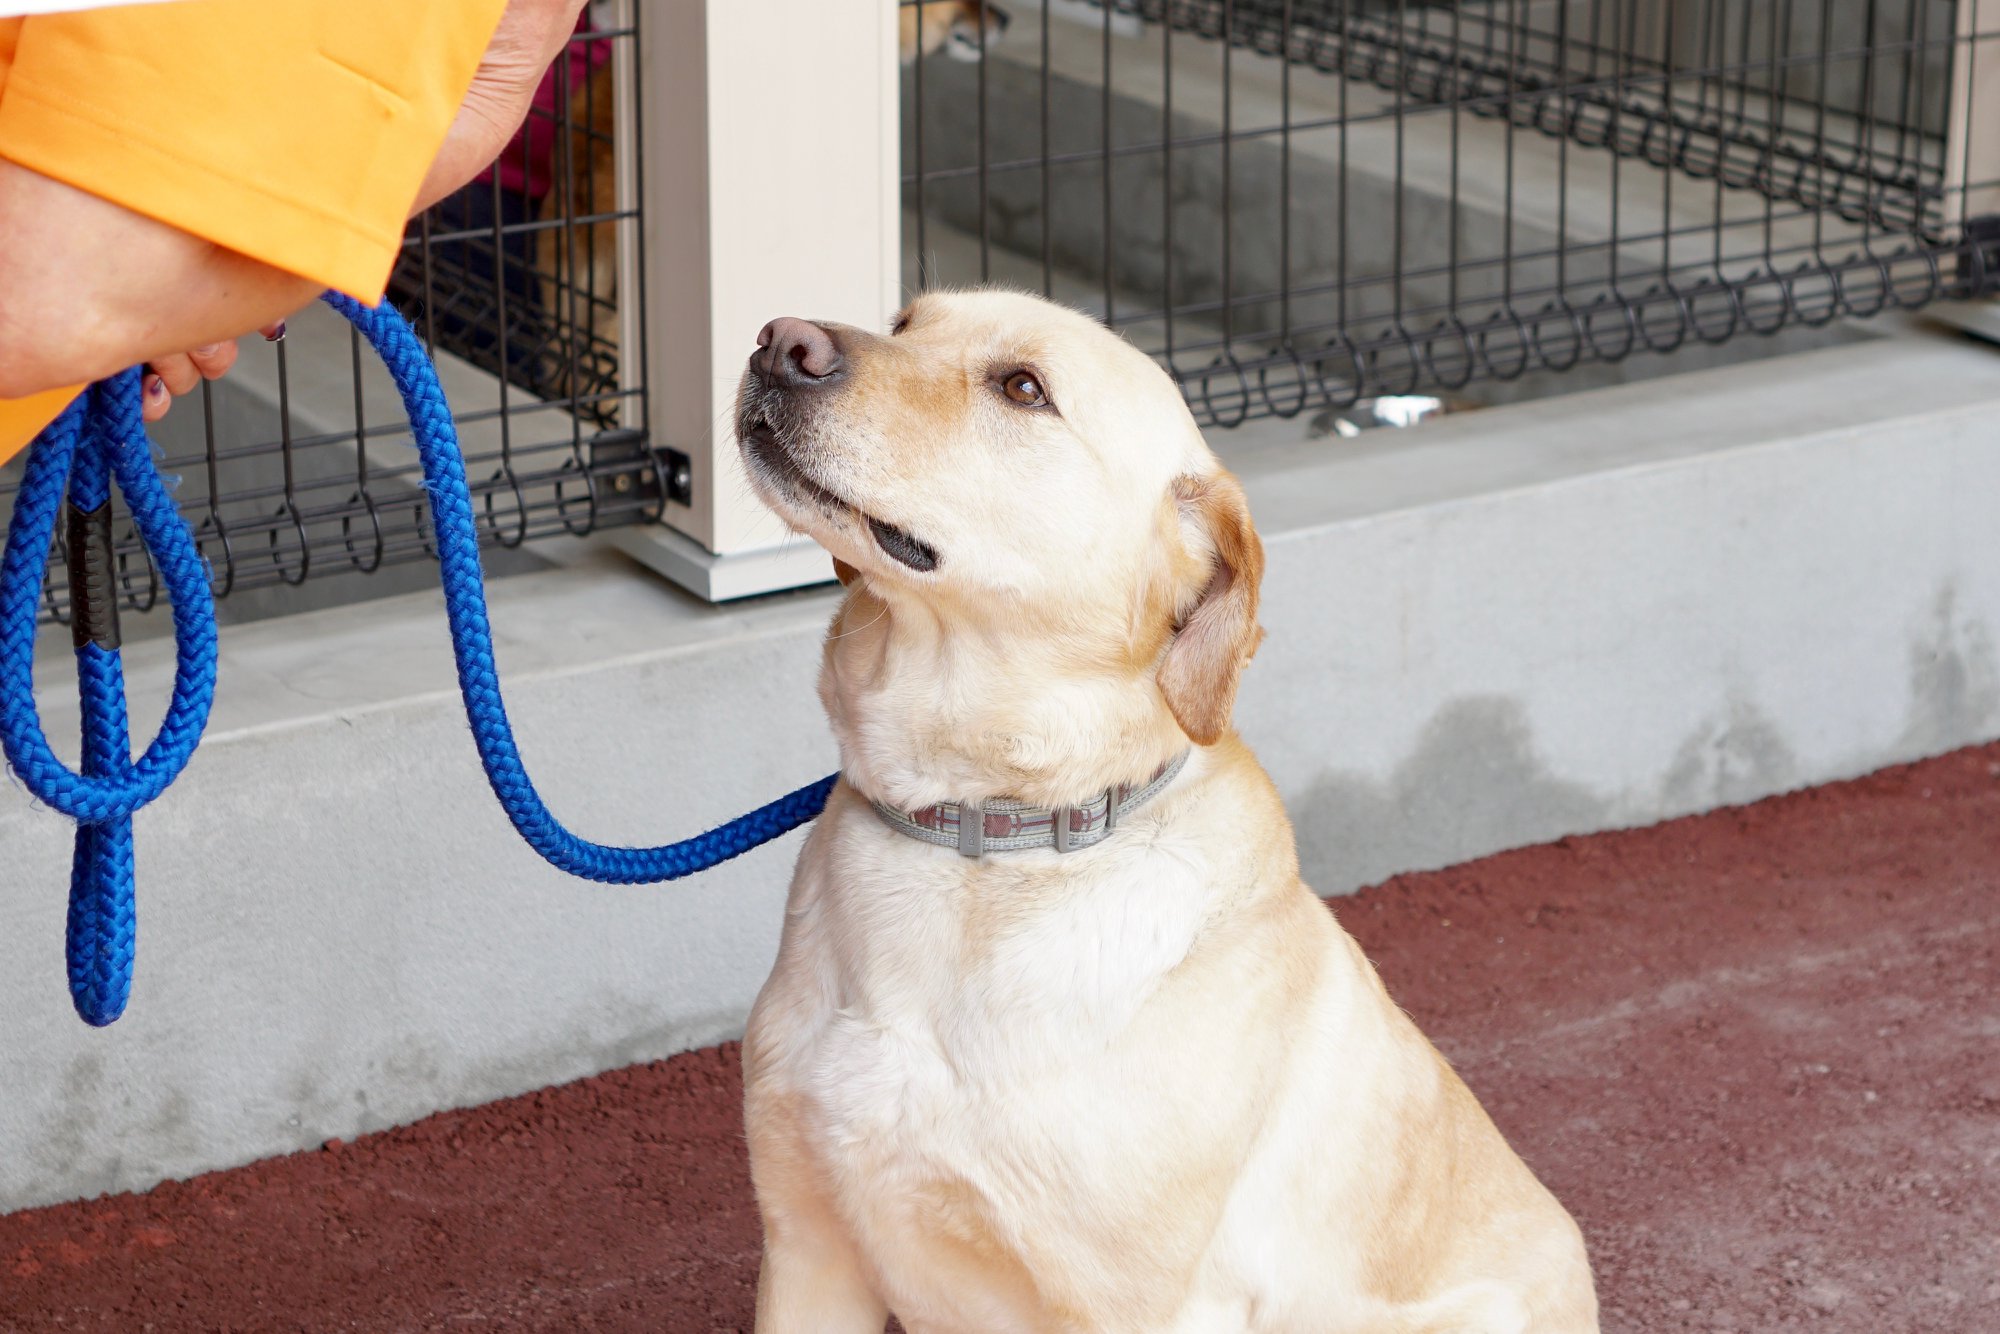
(100, 438)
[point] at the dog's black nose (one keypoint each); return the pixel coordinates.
(796, 354)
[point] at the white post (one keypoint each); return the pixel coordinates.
(1972, 139)
(771, 166)
(1972, 152)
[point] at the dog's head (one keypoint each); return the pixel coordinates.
(1016, 471)
(975, 28)
(961, 29)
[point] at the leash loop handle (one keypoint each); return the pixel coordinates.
(100, 438)
(102, 429)
(70, 468)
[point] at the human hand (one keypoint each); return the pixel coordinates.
(169, 377)
(531, 34)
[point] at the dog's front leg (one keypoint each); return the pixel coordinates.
(811, 1282)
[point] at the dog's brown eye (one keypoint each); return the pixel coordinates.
(902, 323)
(1025, 389)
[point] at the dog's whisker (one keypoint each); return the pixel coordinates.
(859, 628)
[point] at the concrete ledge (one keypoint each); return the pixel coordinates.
(1520, 623)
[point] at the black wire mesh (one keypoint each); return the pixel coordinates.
(298, 464)
(1301, 203)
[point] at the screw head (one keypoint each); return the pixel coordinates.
(622, 483)
(683, 478)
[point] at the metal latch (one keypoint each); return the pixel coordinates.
(626, 471)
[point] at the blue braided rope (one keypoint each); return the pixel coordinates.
(101, 935)
(457, 540)
(98, 437)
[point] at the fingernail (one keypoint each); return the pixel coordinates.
(207, 350)
(155, 387)
(276, 332)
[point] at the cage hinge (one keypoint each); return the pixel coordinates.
(678, 469)
(626, 470)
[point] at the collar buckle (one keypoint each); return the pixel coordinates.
(971, 829)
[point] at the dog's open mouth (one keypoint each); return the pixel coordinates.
(777, 463)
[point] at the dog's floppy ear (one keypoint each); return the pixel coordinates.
(1218, 636)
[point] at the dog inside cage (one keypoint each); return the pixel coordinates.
(518, 272)
(960, 29)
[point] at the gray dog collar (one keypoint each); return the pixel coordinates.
(1007, 826)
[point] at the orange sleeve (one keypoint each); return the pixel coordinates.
(21, 418)
(297, 132)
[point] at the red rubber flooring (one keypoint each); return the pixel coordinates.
(1756, 1052)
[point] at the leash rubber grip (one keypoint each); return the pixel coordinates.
(93, 594)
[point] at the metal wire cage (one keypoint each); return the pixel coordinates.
(298, 464)
(1302, 203)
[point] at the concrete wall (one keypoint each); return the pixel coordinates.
(1629, 604)
(1520, 623)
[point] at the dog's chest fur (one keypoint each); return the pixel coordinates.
(965, 1047)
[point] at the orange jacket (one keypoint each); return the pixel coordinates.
(295, 131)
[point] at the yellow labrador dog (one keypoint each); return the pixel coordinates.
(1057, 1040)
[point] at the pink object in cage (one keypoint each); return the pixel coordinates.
(527, 165)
